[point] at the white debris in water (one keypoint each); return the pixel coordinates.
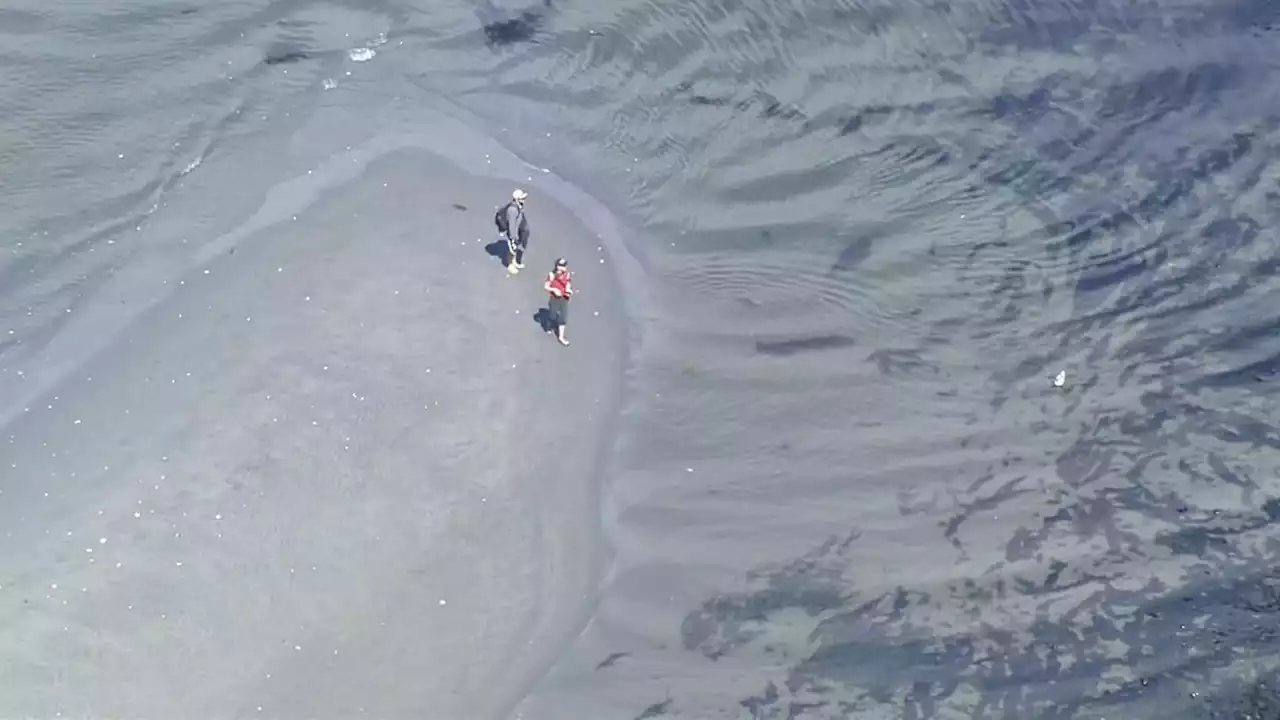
(1060, 379)
(330, 83)
(361, 54)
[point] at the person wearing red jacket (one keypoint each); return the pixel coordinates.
(559, 284)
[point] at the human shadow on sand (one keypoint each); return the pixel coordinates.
(545, 319)
(498, 249)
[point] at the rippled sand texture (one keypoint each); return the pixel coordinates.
(323, 479)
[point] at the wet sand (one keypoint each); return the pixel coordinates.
(339, 472)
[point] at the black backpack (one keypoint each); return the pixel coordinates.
(500, 219)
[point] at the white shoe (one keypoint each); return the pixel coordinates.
(513, 269)
(520, 265)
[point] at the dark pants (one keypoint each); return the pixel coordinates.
(559, 308)
(517, 247)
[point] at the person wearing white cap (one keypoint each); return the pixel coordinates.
(513, 226)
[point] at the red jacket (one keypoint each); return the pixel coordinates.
(560, 281)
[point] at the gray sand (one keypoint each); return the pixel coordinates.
(339, 471)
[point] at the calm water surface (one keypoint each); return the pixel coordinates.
(846, 484)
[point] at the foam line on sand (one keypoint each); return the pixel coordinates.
(340, 471)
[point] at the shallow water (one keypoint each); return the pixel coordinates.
(845, 483)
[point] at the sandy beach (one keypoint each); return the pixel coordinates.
(339, 472)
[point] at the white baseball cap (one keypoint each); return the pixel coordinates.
(519, 194)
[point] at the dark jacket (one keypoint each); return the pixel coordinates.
(515, 220)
